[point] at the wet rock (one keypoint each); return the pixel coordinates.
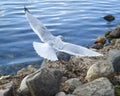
(114, 59)
(100, 40)
(44, 82)
(100, 69)
(98, 87)
(71, 84)
(109, 17)
(7, 89)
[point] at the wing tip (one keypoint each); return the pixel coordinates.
(26, 10)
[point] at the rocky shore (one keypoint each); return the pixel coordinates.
(77, 76)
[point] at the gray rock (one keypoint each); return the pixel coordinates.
(70, 95)
(115, 32)
(114, 59)
(63, 56)
(7, 89)
(98, 87)
(5, 77)
(63, 94)
(23, 90)
(98, 46)
(44, 82)
(60, 94)
(71, 84)
(100, 69)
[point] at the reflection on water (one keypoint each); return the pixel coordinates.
(79, 21)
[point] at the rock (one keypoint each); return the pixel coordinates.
(70, 95)
(60, 94)
(23, 90)
(100, 69)
(44, 82)
(109, 17)
(98, 46)
(98, 87)
(63, 94)
(107, 33)
(100, 40)
(27, 70)
(117, 43)
(70, 85)
(117, 91)
(7, 89)
(115, 33)
(63, 56)
(5, 77)
(114, 59)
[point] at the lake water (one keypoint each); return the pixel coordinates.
(79, 21)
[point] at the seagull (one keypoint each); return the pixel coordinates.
(51, 44)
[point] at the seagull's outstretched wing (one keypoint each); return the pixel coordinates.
(76, 50)
(45, 51)
(38, 27)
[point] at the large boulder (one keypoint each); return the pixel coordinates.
(44, 82)
(98, 87)
(100, 69)
(114, 59)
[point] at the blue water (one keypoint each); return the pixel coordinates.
(79, 21)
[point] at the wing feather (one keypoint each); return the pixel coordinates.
(77, 50)
(38, 27)
(45, 51)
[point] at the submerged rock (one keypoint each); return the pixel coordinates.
(98, 87)
(100, 69)
(109, 17)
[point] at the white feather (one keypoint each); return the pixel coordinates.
(78, 50)
(52, 43)
(45, 51)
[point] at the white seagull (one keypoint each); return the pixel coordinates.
(52, 44)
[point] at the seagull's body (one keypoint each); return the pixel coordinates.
(51, 44)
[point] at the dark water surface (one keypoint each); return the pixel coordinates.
(79, 21)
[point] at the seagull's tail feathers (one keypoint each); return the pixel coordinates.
(45, 51)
